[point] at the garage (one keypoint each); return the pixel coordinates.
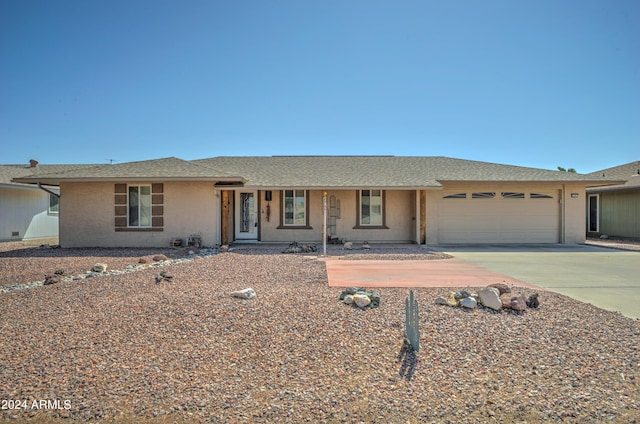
(499, 217)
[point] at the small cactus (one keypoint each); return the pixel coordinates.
(412, 322)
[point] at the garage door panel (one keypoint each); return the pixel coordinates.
(499, 220)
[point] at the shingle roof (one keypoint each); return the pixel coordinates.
(158, 169)
(629, 171)
(379, 171)
(8, 172)
(407, 172)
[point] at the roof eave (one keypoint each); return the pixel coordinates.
(57, 181)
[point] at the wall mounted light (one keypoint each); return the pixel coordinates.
(574, 195)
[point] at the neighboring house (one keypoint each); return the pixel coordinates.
(615, 210)
(301, 198)
(27, 211)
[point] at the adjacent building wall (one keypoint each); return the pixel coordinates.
(87, 216)
(25, 211)
(620, 213)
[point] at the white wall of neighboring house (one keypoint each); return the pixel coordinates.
(25, 212)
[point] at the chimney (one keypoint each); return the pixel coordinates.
(33, 163)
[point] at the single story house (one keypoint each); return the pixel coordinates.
(26, 210)
(615, 210)
(430, 200)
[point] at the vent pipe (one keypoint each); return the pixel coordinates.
(33, 163)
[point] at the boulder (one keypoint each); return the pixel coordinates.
(533, 301)
(490, 297)
(366, 245)
(142, 261)
(99, 267)
(469, 303)
(459, 295)
(51, 279)
(452, 301)
(348, 245)
(160, 258)
(519, 302)
(348, 299)
(362, 300)
(248, 293)
(441, 301)
(506, 300)
(502, 287)
(224, 248)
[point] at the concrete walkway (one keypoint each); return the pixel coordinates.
(409, 273)
(607, 278)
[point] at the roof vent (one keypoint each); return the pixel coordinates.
(33, 163)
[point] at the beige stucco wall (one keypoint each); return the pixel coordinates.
(574, 219)
(87, 216)
(399, 212)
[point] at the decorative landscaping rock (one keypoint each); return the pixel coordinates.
(502, 287)
(51, 279)
(299, 248)
(533, 301)
(360, 297)
(490, 297)
(99, 268)
(519, 303)
(506, 300)
(142, 261)
(462, 294)
(163, 276)
(59, 271)
(348, 246)
(441, 301)
(469, 303)
(160, 258)
(244, 294)
(366, 245)
(362, 300)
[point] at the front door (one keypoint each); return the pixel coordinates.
(246, 216)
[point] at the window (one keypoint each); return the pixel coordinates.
(540, 196)
(295, 208)
(139, 204)
(512, 195)
(371, 207)
(456, 196)
(483, 195)
(54, 204)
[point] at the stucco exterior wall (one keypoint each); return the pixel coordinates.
(26, 211)
(399, 218)
(87, 216)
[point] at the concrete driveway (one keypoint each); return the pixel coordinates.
(607, 278)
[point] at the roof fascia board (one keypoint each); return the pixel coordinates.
(57, 181)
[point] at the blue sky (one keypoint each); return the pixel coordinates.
(534, 83)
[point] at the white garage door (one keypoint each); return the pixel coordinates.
(499, 217)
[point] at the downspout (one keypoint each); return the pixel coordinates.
(47, 190)
(563, 229)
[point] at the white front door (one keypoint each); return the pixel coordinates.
(246, 215)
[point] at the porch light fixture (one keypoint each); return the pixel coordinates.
(574, 195)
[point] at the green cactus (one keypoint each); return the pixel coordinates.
(412, 322)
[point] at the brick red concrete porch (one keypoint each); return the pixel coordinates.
(410, 273)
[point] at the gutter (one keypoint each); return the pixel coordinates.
(47, 190)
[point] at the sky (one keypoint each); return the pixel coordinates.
(538, 83)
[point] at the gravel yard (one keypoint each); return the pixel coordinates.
(125, 348)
